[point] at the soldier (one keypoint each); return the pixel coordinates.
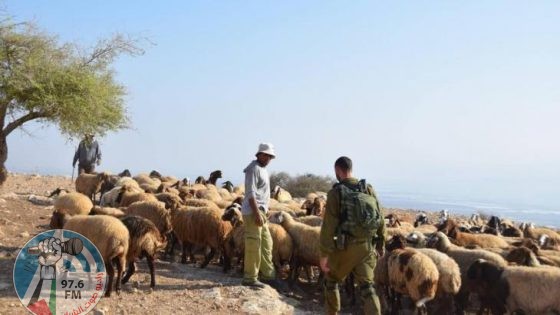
(353, 225)
(88, 154)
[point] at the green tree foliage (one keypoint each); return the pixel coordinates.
(301, 185)
(61, 84)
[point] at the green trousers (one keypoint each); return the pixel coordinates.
(258, 250)
(360, 259)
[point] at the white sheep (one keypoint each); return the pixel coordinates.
(306, 241)
(464, 258)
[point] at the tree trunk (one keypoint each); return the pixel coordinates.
(3, 159)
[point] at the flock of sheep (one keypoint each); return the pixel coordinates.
(441, 267)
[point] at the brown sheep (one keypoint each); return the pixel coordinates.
(73, 203)
(201, 226)
(155, 212)
(145, 241)
(127, 196)
(110, 236)
(90, 184)
(467, 239)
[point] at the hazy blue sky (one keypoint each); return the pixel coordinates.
(449, 98)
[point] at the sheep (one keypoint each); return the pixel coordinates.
(170, 200)
(239, 190)
(443, 216)
(395, 226)
(517, 288)
(128, 195)
(155, 212)
(305, 238)
(545, 257)
(145, 241)
(421, 218)
(73, 203)
(414, 274)
(535, 233)
(58, 192)
(449, 274)
(318, 207)
(416, 239)
(110, 236)
(467, 239)
(125, 173)
(146, 179)
(214, 176)
(201, 226)
(281, 195)
(282, 247)
(311, 220)
(212, 179)
(128, 181)
(199, 203)
(208, 194)
(110, 197)
(90, 184)
(227, 185)
(545, 242)
(114, 212)
(235, 241)
(464, 258)
(476, 220)
(523, 256)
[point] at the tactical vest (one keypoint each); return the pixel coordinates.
(359, 211)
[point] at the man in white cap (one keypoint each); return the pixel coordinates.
(258, 242)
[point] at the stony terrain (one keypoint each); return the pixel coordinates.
(24, 212)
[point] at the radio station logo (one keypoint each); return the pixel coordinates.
(59, 272)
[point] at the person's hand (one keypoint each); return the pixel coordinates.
(51, 251)
(259, 220)
(324, 264)
(380, 251)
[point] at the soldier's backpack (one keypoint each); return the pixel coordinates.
(359, 211)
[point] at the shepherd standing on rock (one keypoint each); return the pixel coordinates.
(88, 154)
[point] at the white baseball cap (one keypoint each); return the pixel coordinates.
(266, 148)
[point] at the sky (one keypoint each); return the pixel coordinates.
(455, 99)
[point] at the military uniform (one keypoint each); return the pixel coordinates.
(357, 257)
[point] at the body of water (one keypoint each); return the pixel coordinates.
(526, 213)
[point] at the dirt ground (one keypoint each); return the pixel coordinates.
(180, 288)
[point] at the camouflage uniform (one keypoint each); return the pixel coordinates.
(358, 256)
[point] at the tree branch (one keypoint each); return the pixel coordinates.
(20, 121)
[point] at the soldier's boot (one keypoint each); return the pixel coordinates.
(370, 300)
(332, 297)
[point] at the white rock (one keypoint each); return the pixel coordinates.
(213, 293)
(10, 196)
(24, 234)
(40, 200)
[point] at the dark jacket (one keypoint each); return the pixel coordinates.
(87, 153)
